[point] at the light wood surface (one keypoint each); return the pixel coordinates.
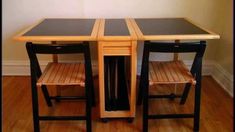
(117, 46)
(141, 36)
(176, 55)
(216, 110)
(92, 37)
(169, 72)
(63, 74)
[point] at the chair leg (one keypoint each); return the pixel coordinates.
(141, 84)
(185, 93)
(197, 103)
(88, 117)
(46, 95)
(36, 124)
(92, 92)
(89, 101)
(140, 93)
(145, 109)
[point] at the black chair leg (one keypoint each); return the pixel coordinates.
(92, 92)
(145, 109)
(197, 102)
(185, 93)
(88, 109)
(46, 95)
(140, 92)
(36, 124)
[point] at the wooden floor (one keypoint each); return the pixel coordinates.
(216, 110)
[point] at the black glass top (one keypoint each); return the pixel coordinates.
(63, 27)
(116, 27)
(165, 26)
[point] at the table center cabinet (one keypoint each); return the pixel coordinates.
(117, 61)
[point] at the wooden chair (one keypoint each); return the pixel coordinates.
(171, 72)
(60, 74)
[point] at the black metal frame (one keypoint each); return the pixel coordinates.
(199, 48)
(36, 72)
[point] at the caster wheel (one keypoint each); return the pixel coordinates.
(104, 120)
(130, 120)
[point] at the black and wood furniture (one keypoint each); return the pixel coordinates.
(171, 72)
(117, 55)
(176, 30)
(60, 74)
(59, 31)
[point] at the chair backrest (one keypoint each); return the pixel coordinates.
(33, 49)
(167, 47)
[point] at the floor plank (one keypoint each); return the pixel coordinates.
(216, 110)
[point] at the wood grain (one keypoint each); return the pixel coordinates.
(169, 72)
(216, 110)
(63, 74)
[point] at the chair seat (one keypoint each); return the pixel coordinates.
(166, 72)
(63, 74)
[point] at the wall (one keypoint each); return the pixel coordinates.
(215, 15)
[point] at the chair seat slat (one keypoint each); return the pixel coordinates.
(169, 72)
(63, 74)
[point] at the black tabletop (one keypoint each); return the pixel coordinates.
(63, 27)
(165, 26)
(116, 27)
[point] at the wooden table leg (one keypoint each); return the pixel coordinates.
(176, 58)
(55, 59)
(176, 55)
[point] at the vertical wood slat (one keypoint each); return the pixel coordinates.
(169, 72)
(179, 74)
(55, 70)
(62, 68)
(54, 56)
(176, 55)
(79, 73)
(172, 72)
(74, 76)
(65, 72)
(70, 72)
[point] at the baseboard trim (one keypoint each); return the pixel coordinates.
(225, 79)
